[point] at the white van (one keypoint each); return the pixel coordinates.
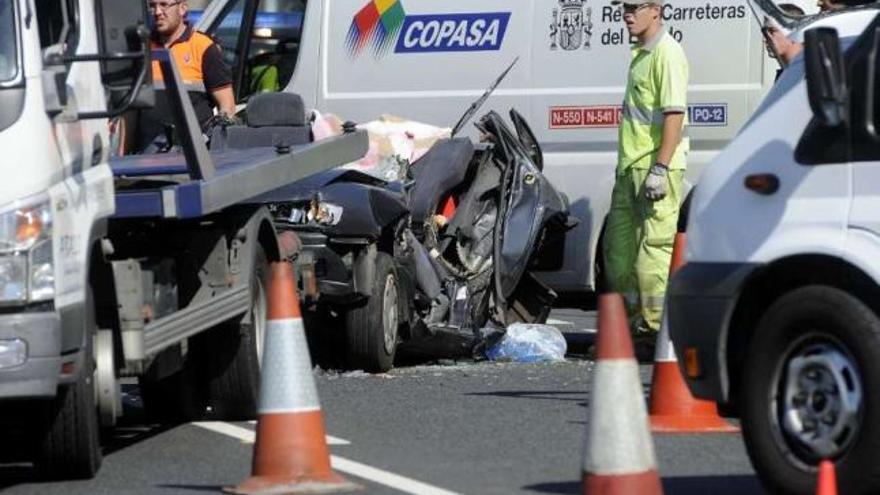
(429, 59)
(776, 313)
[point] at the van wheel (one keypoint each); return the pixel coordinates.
(371, 330)
(69, 438)
(234, 352)
(808, 392)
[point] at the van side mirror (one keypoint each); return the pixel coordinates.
(826, 76)
(124, 43)
(124, 55)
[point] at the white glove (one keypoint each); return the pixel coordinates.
(656, 182)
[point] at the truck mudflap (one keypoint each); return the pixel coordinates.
(30, 355)
(700, 302)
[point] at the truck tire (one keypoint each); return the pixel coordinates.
(371, 330)
(69, 434)
(808, 392)
(233, 353)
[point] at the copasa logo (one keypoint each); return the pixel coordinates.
(383, 24)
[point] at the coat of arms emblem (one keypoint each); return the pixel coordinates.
(572, 25)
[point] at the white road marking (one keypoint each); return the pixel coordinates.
(402, 483)
(249, 436)
(376, 475)
(551, 321)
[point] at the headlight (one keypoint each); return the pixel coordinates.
(26, 269)
(324, 213)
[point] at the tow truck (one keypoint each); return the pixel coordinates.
(146, 266)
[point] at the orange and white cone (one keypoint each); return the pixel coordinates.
(673, 408)
(290, 453)
(619, 452)
(827, 482)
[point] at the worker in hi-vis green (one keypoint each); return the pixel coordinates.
(650, 168)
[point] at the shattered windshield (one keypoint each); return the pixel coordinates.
(8, 50)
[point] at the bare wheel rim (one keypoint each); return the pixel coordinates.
(389, 313)
(819, 398)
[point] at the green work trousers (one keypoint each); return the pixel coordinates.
(638, 245)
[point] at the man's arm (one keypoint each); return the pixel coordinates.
(225, 100)
(218, 80)
(673, 123)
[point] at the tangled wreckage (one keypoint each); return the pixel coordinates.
(437, 260)
(429, 253)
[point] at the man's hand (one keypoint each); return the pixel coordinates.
(656, 183)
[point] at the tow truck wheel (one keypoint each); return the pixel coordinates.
(371, 329)
(69, 435)
(108, 395)
(234, 352)
(809, 392)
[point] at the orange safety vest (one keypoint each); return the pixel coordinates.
(187, 53)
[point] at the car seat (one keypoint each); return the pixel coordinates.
(272, 119)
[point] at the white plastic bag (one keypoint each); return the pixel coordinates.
(529, 343)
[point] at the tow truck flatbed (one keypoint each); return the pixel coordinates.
(239, 177)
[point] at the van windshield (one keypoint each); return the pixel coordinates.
(8, 49)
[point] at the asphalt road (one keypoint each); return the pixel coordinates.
(443, 429)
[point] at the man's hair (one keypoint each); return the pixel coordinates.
(854, 3)
(791, 9)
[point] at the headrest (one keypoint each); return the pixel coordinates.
(276, 109)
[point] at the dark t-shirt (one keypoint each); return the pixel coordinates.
(200, 63)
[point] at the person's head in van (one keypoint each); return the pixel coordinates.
(830, 5)
(642, 17)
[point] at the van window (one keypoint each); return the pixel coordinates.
(228, 33)
(8, 45)
(58, 24)
(822, 145)
(274, 46)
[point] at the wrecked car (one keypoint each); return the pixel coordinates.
(437, 262)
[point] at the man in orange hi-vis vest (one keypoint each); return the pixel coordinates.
(206, 77)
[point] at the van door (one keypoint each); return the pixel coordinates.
(865, 148)
(268, 33)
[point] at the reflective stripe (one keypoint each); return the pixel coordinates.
(189, 86)
(653, 301)
(647, 117)
(617, 439)
(287, 384)
(642, 115)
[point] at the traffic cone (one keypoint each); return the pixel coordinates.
(619, 452)
(827, 484)
(290, 452)
(673, 408)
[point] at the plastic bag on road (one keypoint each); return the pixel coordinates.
(529, 343)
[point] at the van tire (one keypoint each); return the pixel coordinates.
(233, 353)
(371, 332)
(69, 438)
(813, 323)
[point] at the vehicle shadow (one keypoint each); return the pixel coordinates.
(678, 485)
(132, 429)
